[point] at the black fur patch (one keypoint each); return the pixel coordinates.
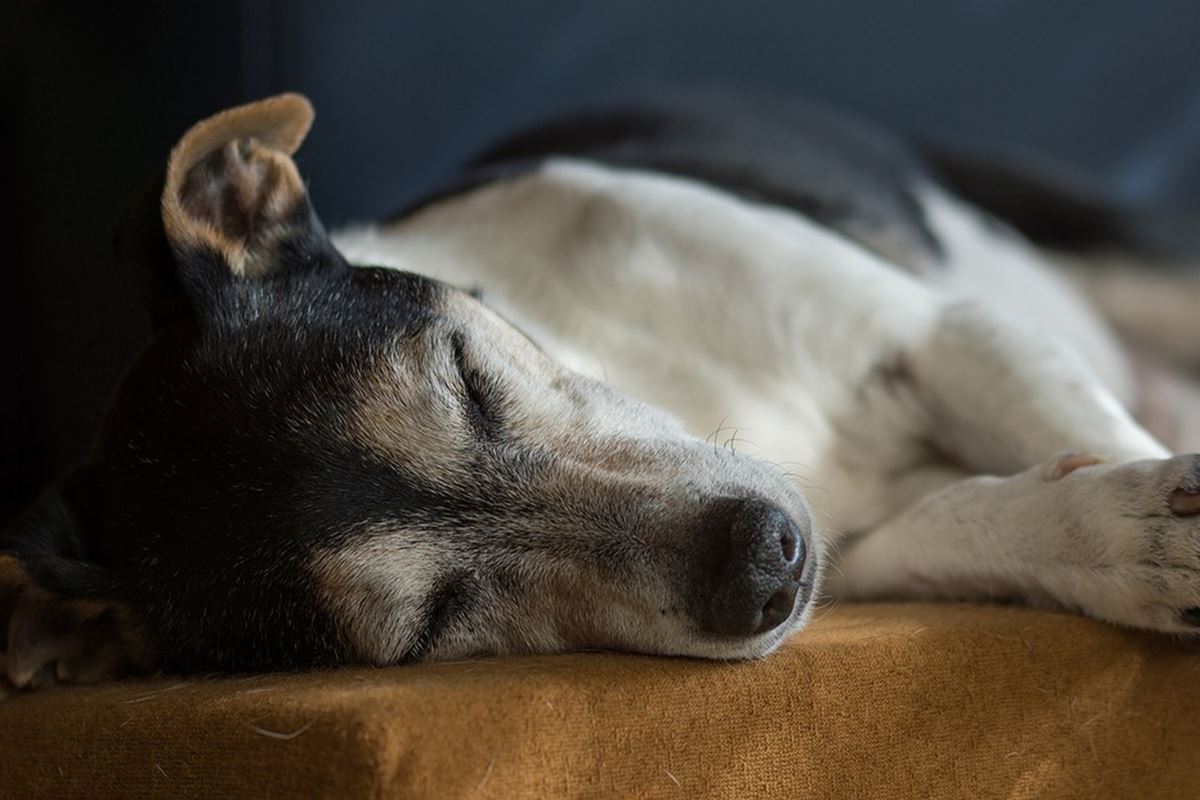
(771, 150)
(226, 464)
(1063, 211)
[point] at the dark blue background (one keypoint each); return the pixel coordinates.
(94, 94)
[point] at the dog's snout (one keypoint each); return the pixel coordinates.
(754, 568)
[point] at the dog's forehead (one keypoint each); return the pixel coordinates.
(365, 307)
(275, 369)
(252, 427)
(314, 352)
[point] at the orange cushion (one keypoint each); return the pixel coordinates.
(898, 701)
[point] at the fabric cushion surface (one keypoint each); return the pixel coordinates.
(888, 700)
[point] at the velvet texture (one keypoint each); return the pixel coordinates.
(902, 701)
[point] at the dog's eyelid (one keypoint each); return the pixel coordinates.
(462, 361)
(480, 402)
(458, 347)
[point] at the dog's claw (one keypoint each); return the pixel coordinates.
(1185, 502)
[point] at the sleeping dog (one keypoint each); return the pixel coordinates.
(636, 381)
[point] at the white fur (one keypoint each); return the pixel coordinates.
(988, 263)
(1096, 540)
(753, 319)
(669, 305)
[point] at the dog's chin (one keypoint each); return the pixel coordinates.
(762, 646)
(727, 648)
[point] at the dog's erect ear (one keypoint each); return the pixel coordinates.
(232, 190)
(231, 205)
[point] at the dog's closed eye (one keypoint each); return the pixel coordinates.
(481, 398)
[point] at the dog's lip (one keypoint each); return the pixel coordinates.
(804, 597)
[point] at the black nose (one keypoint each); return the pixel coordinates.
(750, 570)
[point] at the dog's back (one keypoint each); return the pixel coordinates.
(720, 257)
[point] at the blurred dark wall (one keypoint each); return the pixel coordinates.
(94, 94)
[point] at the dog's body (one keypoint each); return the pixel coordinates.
(785, 284)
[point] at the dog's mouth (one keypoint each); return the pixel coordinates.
(765, 644)
(801, 609)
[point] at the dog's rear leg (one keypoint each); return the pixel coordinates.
(1119, 541)
(1155, 308)
(1139, 264)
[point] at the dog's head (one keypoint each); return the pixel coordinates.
(313, 462)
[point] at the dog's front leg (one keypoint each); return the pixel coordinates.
(1001, 397)
(1119, 542)
(1115, 535)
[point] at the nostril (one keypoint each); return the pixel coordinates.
(777, 609)
(787, 543)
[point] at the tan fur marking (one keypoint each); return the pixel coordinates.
(376, 586)
(407, 410)
(257, 140)
(12, 574)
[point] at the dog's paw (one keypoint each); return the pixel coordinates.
(1133, 532)
(46, 639)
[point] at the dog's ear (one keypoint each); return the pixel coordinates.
(233, 190)
(59, 621)
(231, 206)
